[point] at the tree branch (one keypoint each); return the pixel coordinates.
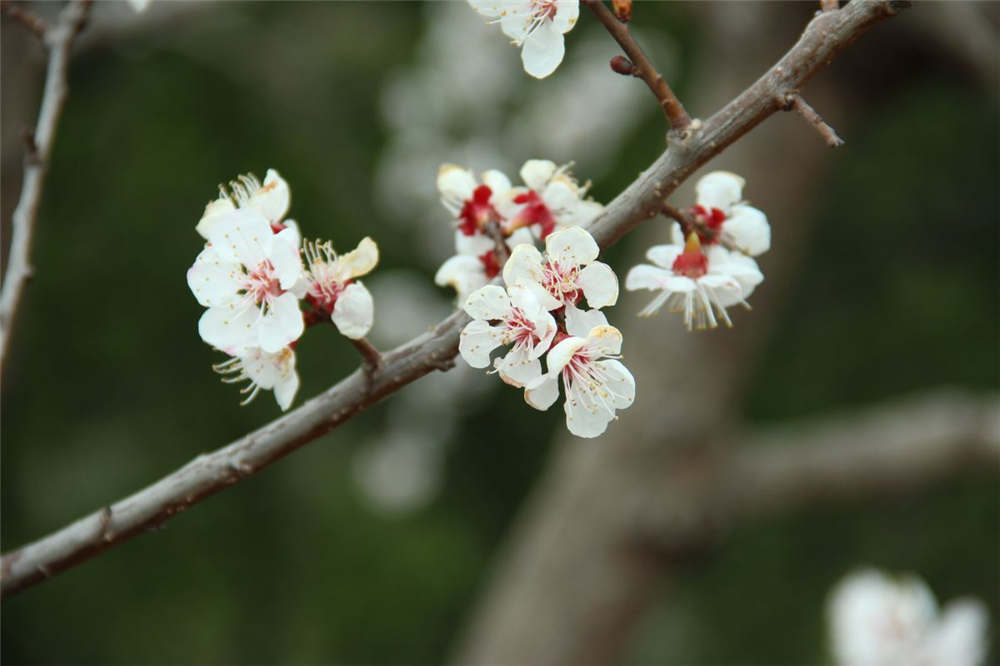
(795, 101)
(59, 40)
(825, 35)
(641, 67)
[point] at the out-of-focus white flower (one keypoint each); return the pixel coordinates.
(537, 26)
(879, 621)
(719, 195)
(552, 200)
(476, 262)
(271, 199)
(263, 370)
(696, 282)
(244, 277)
(139, 5)
(522, 323)
(330, 285)
(596, 383)
(472, 204)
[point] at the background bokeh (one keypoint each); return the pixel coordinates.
(371, 544)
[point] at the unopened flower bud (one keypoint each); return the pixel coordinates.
(622, 65)
(622, 9)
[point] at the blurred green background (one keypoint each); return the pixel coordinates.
(108, 386)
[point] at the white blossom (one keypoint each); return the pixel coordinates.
(596, 383)
(470, 202)
(700, 283)
(537, 26)
(522, 322)
(879, 621)
(263, 370)
(476, 262)
(330, 285)
(551, 200)
(720, 207)
(244, 277)
(271, 199)
(567, 271)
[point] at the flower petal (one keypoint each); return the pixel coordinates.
(543, 50)
(354, 311)
(561, 354)
(748, 230)
(473, 245)
(645, 276)
(719, 189)
(536, 173)
(477, 340)
(282, 324)
(497, 181)
(286, 259)
(520, 237)
(273, 197)
(541, 392)
(455, 182)
(620, 382)
(361, 260)
(664, 256)
(463, 273)
(243, 236)
(214, 211)
(567, 13)
(214, 281)
(571, 247)
(488, 303)
(599, 284)
(584, 418)
(579, 323)
(518, 368)
(607, 340)
(229, 328)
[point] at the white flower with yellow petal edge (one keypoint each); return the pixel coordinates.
(521, 322)
(595, 382)
(331, 287)
(245, 276)
(537, 26)
(263, 370)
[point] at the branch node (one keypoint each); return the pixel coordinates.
(36, 24)
(793, 101)
(622, 65)
(442, 364)
(371, 360)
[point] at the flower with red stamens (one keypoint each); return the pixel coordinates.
(271, 199)
(550, 200)
(471, 203)
(537, 26)
(720, 208)
(331, 287)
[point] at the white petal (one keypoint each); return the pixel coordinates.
(567, 13)
(214, 281)
(664, 256)
(541, 392)
(518, 368)
(520, 237)
(243, 235)
(273, 197)
(583, 418)
(582, 214)
(361, 260)
(645, 276)
(571, 247)
(488, 303)
(454, 182)
(214, 211)
(561, 354)
(560, 195)
(676, 235)
(959, 639)
(515, 19)
(474, 245)
(524, 266)
(286, 259)
(607, 340)
(747, 229)
(543, 50)
(293, 234)
(497, 181)
(719, 189)
(599, 284)
(464, 274)
(579, 323)
(620, 383)
(477, 340)
(286, 388)
(536, 173)
(354, 311)
(281, 325)
(229, 328)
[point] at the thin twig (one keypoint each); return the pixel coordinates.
(642, 67)
(59, 39)
(370, 356)
(823, 38)
(492, 229)
(794, 101)
(28, 19)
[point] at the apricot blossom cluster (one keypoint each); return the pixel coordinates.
(251, 278)
(708, 266)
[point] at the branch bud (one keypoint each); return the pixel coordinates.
(622, 9)
(622, 65)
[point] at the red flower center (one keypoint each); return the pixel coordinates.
(691, 263)
(534, 212)
(477, 211)
(490, 264)
(711, 218)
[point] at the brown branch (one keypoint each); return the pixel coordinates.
(59, 40)
(829, 5)
(794, 101)
(641, 66)
(499, 242)
(28, 19)
(824, 37)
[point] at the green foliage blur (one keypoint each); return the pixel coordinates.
(108, 385)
